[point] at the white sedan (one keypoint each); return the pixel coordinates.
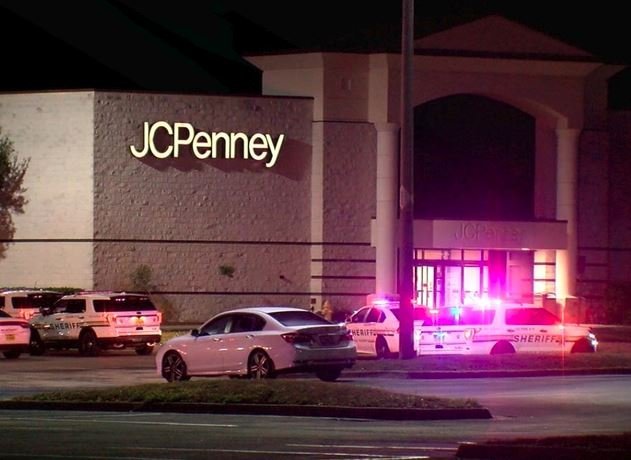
(259, 342)
(15, 335)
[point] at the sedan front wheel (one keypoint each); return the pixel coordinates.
(174, 368)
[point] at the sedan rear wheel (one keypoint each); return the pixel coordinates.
(260, 366)
(174, 368)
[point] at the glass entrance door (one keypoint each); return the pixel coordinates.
(425, 282)
(448, 278)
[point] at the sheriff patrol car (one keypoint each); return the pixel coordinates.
(375, 328)
(92, 321)
(502, 328)
(25, 303)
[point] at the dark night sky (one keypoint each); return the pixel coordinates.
(196, 46)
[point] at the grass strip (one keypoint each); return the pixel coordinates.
(237, 391)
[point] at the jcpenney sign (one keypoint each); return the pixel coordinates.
(258, 147)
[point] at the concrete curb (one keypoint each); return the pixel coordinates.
(525, 452)
(257, 409)
(484, 373)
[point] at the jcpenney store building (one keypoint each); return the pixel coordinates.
(291, 197)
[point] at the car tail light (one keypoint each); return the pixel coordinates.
(295, 337)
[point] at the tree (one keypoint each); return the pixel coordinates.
(12, 199)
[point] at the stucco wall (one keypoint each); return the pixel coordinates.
(593, 214)
(349, 205)
(619, 193)
(55, 131)
(186, 217)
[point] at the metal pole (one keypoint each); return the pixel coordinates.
(406, 191)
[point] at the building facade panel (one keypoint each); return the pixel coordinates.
(55, 132)
(187, 217)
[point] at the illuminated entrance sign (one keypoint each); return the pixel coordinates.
(258, 147)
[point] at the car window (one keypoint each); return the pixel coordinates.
(477, 317)
(123, 303)
(219, 325)
(247, 323)
(419, 314)
(360, 315)
(3, 302)
(456, 316)
(530, 316)
(298, 318)
(60, 306)
(75, 306)
(37, 300)
(4, 314)
(375, 315)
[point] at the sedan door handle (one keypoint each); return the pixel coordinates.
(217, 339)
(249, 336)
(543, 330)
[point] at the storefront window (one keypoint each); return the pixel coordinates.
(450, 276)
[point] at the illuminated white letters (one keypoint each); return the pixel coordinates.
(258, 147)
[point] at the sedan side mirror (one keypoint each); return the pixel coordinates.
(195, 333)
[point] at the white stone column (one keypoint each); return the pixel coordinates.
(317, 214)
(386, 222)
(566, 260)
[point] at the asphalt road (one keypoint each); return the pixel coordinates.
(535, 406)
(522, 407)
(68, 370)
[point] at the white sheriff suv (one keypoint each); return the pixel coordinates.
(500, 329)
(25, 303)
(375, 328)
(92, 321)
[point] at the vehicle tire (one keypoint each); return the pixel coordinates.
(502, 348)
(260, 366)
(381, 348)
(88, 345)
(174, 367)
(329, 374)
(12, 354)
(582, 346)
(36, 345)
(145, 350)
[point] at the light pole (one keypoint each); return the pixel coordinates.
(406, 185)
